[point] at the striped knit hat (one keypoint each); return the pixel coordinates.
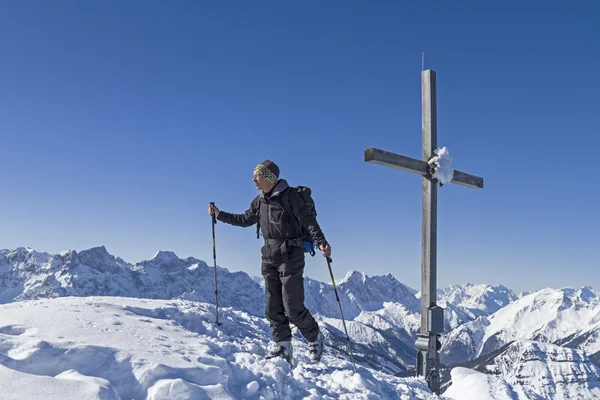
(269, 170)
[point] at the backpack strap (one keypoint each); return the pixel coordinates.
(308, 246)
(286, 202)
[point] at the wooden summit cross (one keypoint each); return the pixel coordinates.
(432, 315)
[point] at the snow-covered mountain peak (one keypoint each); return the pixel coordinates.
(64, 252)
(560, 299)
(22, 255)
(166, 261)
(193, 260)
(467, 302)
(98, 251)
(548, 315)
(31, 275)
(556, 311)
(584, 294)
(352, 276)
(165, 257)
(98, 258)
(483, 297)
(371, 292)
(537, 370)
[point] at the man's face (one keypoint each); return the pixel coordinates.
(261, 182)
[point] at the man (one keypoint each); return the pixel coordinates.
(282, 257)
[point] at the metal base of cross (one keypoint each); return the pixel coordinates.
(428, 362)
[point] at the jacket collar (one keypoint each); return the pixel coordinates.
(277, 190)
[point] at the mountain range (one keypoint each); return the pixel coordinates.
(550, 333)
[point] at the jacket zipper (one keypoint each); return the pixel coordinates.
(269, 212)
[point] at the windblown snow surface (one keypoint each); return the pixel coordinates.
(122, 348)
(108, 348)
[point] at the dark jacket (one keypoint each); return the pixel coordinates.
(275, 221)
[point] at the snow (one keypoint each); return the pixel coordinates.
(124, 348)
(481, 299)
(155, 337)
(67, 385)
(165, 257)
(529, 370)
(442, 165)
(369, 293)
(548, 315)
(550, 371)
(31, 275)
(465, 303)
(473, 385)
(65, 252)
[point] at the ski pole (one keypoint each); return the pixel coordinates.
(214, 221)
(329, 261)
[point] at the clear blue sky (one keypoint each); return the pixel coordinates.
(120, 121)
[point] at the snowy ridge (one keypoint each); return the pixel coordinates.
(468, 302)
(479, 300)
(370, 293)
(27, 274)
(114, 348)
(534, 370)
(558, 316)
(384, 331)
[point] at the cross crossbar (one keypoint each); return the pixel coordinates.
(393, 160)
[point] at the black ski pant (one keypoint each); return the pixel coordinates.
(284, 289)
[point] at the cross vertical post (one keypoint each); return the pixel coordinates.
(432, 315)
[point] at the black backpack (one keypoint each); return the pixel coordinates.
(305, 194)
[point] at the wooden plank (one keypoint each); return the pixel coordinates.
(393, 160)
(429, 203)
(467, 180)
(429, 224)
(397, 161)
